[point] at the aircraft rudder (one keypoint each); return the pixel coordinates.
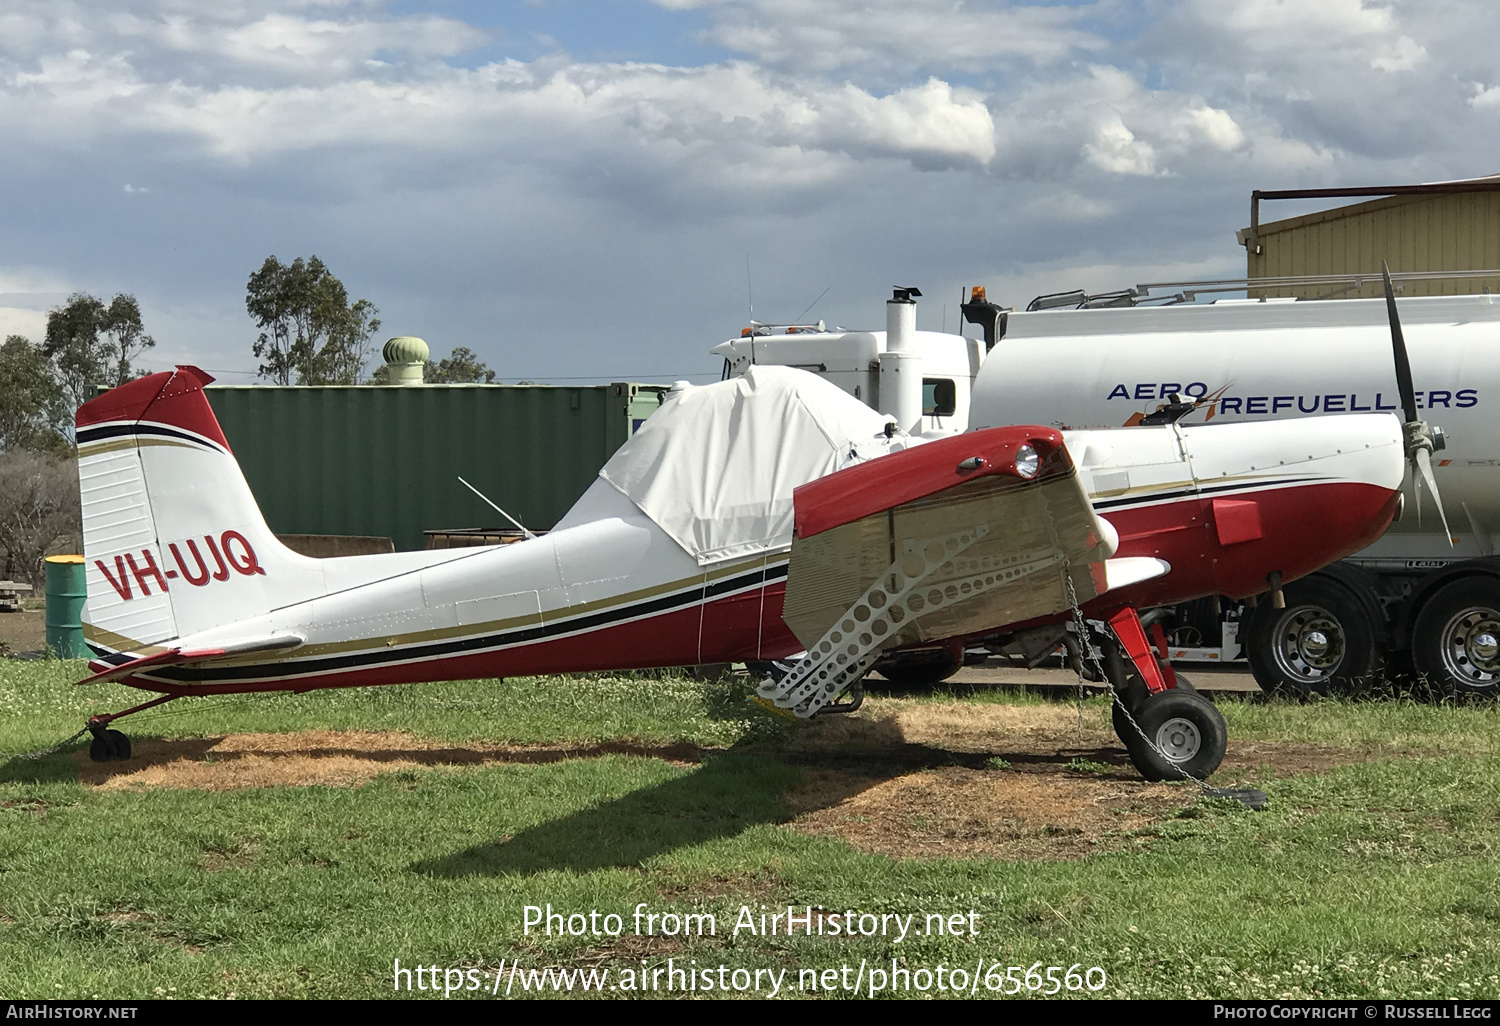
(174, 540)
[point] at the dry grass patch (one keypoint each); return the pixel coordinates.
(324, 757)
(1062, 793)
(957, 812)
(906, 779)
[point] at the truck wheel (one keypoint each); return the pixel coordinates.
(1187, 732)
(1324, 642)
(1456, 637)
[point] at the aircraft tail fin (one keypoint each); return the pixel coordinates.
(173, 540)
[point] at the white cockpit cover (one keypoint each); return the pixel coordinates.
(715, 466)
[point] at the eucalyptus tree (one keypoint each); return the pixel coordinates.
(92, 343)
(310, 333)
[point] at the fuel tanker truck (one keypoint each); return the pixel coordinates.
(1423, 602)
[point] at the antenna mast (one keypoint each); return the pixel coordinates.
(497, 509)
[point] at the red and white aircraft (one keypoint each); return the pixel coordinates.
(747, 520)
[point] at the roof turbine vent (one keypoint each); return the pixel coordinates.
(405, 358)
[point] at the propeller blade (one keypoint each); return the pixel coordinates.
(1423, 461)
(1398, 346)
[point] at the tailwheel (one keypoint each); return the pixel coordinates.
(109, 746)
(1180, 733)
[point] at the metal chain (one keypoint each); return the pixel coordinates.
(54, 749)
(1084, 647)
(1078, 704)
(156, 715)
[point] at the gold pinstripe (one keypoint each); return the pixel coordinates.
(1151, 489)
(492, 626)
(116, 444)
(120, 643)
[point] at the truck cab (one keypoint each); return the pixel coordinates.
(851, 360)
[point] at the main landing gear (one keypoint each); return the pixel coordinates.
(1170, 730)
(111, 745)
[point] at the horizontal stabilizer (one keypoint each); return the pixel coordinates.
(179, 656)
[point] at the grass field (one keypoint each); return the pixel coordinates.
(295, 846)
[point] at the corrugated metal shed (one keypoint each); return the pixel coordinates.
(372, 460)
(1453, 226)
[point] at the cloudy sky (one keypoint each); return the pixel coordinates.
(575, 189)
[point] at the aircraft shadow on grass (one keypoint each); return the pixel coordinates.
(748, 785)
(754, 782)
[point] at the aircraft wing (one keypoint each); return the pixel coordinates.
(943, 539)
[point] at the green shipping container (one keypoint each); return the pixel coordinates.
(385, 461)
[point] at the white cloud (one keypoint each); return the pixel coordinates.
(468, 200)
(32, 280)
(1268, 23)
(339, 46)
(1285, 33)
(16, 320)
(1110, 122)
(446, 110)
(1485, 97)
(1360, 80)
(880, 36)
(1212, 126)
(1116, 149)
(1402, 55)
(928, 123)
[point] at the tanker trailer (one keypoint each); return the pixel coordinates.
(1420, 600)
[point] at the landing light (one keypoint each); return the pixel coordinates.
(1027, 461)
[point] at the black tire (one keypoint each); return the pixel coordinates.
(1325, 642)
(919, 673)
(1187, 729)
(109, 746)
(1123, 730)
(1456, 637)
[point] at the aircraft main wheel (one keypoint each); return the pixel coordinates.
(1187, 732)
(919, 674)
(109, 746)
(1456, 637)
(1324, 642)
(1127, 734)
